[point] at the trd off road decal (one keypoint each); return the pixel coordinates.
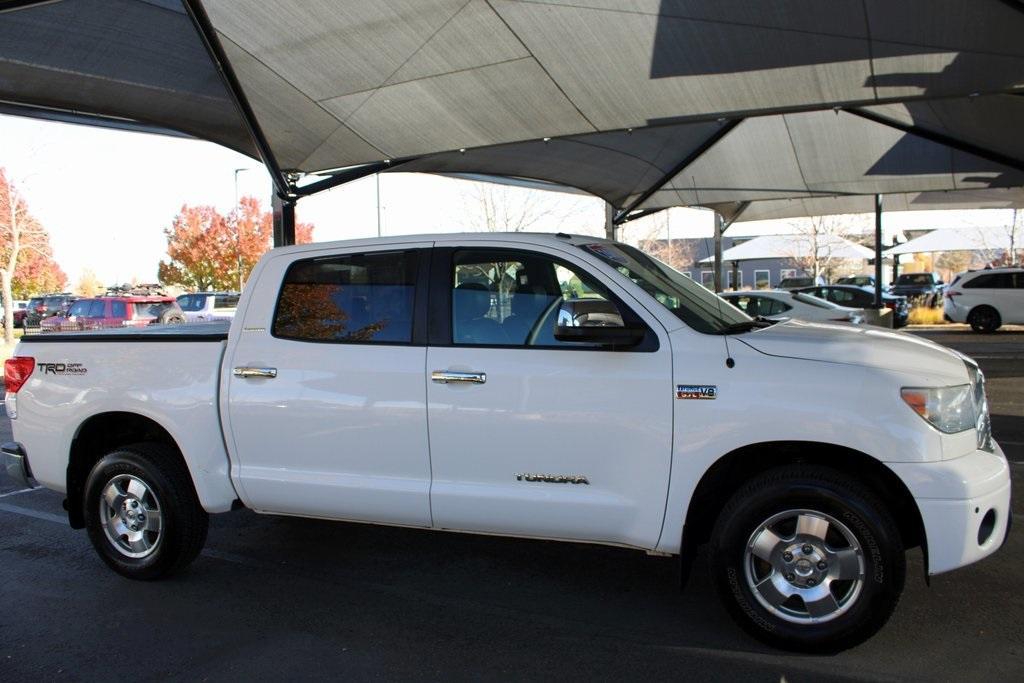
(697, 391)
(62, 368)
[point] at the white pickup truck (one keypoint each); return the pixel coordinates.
(544, 386)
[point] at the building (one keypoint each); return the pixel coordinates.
(685, 255)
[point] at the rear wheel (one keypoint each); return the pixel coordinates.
(806, 558)
(142, 513)
(984, 319)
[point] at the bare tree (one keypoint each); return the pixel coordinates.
(20, 232)
(491, 207)
(1014, 233)
(816, 243)
(678, 253)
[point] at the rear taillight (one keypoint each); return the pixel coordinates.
(17, 370)
(950, 295)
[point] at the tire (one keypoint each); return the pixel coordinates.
(859, 560)
(171, 318)
(984, 319)
(148, 479)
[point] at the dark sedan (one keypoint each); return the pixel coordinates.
(862, 297)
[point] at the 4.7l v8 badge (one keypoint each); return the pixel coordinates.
(698, 391)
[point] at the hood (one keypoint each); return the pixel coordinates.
(867, 346)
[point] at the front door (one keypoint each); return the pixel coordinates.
(326, 398)
(536, 437)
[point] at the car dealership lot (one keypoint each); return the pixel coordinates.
(275, 597)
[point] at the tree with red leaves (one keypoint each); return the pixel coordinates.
(26, 260)
(211, 251)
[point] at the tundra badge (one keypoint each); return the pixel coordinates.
(698, 391)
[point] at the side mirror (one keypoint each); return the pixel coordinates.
(596, 321)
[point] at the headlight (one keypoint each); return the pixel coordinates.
(948, 409)
(983, 423)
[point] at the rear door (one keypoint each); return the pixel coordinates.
(532, 436)
(326, 396)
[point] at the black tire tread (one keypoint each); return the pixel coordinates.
(837, 481)
(191, 521)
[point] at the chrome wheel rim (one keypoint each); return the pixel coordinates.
(130, 515)
(804, 566)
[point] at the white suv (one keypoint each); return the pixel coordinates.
(987, 299)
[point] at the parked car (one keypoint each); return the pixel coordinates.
(205, 306)
(18, 313)
(861, 297)
(780, 305)
(42, 307)
(108, 312)
(986, 299)
(788, 283)
(925, 288)
(559, 387)
(858, 280)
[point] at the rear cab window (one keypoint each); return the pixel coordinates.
(352, 298)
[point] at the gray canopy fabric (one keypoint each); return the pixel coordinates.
(754, 109)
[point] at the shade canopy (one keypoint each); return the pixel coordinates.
(795, 246)
(967, 238)
(754, 109)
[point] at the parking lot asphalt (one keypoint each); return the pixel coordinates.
(277, 597)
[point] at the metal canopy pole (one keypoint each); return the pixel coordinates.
(719, 229)
(878, 251)
(710, 142)
(735, 276)
(609, 221)
(284, 220)
(895, 262)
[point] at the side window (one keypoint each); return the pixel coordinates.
(510, 298)
(740, 302)
(225, 301)
(773, 307)
(840, 296)
(991, 281)
(359, 298)
(118, 309)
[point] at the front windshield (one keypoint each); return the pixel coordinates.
(192, 302)
(690, 302)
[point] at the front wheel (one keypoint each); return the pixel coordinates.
(142, 512)
(984, 319)
(806, 558)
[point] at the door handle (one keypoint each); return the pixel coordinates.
(448, 376)
(267, 373)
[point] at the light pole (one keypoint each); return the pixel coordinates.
(238, 239)
(377, 176)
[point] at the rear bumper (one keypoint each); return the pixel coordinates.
(15, 462)
(964, 505)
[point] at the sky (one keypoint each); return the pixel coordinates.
(106, 197)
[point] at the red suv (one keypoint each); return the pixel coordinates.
(107, 312)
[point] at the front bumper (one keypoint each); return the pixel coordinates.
(16, 463)
(964, 505)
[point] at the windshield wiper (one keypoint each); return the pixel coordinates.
(759, 322)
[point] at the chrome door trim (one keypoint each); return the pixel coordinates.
(245, 372)
(448, 376)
